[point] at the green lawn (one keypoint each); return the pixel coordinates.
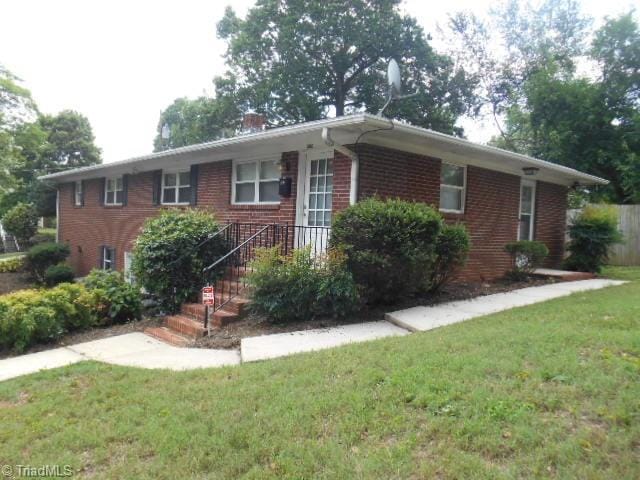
(4, 256)
(551, 390)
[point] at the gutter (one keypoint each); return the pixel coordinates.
(355, 163)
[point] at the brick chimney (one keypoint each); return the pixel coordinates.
(253, 122)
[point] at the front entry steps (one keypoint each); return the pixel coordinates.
(184, 328)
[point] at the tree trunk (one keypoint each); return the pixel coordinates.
(340, 94)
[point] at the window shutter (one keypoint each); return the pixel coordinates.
(73, 193)
(113, 259)
(82, 186)
(100, 256)
(101, 190)
(157, 185)
(194, 184)
(125, 189)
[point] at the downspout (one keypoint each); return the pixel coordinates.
(355, 163)
(58, 214)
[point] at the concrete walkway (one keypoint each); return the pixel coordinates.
(131, 349)
(140, 350)
(427, 318)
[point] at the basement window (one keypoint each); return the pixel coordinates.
(256, 182)
(108, 258)
(453, 184)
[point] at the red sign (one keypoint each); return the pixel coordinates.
(207, 295)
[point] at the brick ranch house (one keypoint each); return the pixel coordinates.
(306, 173)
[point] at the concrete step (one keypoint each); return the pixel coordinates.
(186, 326)
(564, 275)
(168, 336)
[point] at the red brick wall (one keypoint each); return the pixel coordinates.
(89, 227)
(491, 213)
(391, 173)
(550, 220)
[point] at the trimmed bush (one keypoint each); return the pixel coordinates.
(12, 265)
(116, 300)
(22, 222)
(56, 274)
(40, 257)
(452, 249)
(31, 316)
(171, 252)
(390, 246)
(300, 287)
(526, 256)
(42, 237)
(592, 233)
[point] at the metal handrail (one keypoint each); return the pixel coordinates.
(236, 249)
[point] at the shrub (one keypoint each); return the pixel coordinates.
(40, 257)
(116, 300)
(390, 245)
(56, 274)
(299, 286)
(526, 256)
(30, 316)
(452, 248)
(592, 233)
(11, 265)
(22, 222)
(171, 252)
(42, 237)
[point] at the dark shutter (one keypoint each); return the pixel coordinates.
(73, 193)
(125, 189)
(194, 184)
(157, 185)
(101, 190)
(100, 256)
(113, 259)
(83, 185)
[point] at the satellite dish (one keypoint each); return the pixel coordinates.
(393, 77)
(166, 132)
(395, 85)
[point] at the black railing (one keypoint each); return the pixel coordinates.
(228, 273)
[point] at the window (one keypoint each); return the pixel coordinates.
(78, 200)
(452, 188)
(113, 191)
(256, 182)
(176, 188)
(108, 258)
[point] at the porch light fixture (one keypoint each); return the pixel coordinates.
(530, 171)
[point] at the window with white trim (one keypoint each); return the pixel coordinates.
(78, 194)
(129, 277)
(256, 181)
(113, 191)
(453, 179)
(176, 188)
(108, 258)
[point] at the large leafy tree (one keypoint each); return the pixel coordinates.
(299, 60)
(200, 120)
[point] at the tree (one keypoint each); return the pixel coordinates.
(16, 104)
(21, 222)
(201, 120)
(300, 60)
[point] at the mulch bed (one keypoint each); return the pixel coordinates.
(10, 282)
(254, 325)
(229, 337)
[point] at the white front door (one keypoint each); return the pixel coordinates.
(527, 209)
(316, 200)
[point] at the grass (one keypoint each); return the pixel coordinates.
(547, 391)
(4, 256)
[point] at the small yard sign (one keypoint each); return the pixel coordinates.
(207, 295)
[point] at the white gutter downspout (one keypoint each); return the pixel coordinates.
(355, 163)
(58, 214)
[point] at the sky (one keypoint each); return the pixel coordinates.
(120, 63)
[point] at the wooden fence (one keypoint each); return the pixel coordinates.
(627, 253)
